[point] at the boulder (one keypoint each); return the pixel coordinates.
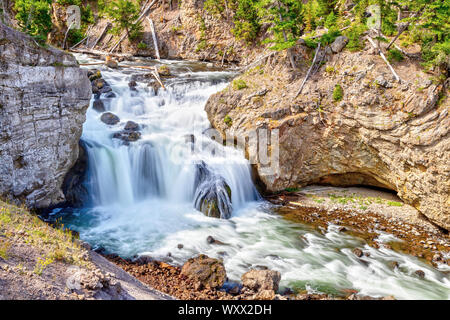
(264, 295)
(212, 194)
(127, 136)
(339, 44)
(94, 74)
(109, 118)
(258, 280)
(205, 271)
(131, 126)
(164, 71)
(98, 105)
(110, 63)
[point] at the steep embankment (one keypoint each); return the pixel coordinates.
(38, 261)
(43, 99)
(375, 131)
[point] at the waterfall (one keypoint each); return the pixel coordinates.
(145, 197)
(163, 164)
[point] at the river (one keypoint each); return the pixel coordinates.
(142, 198)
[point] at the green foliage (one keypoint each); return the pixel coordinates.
(287, 22)
(395, 55)
(123, 13)
(330, 36)
(354, 34)
(246, 20)
(218, 7)
(69, 2)
(338, 93)
(33, 17)
(239, 84)
(228, 121)
(141, 45)
(331, 20)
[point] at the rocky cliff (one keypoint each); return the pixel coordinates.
(43, 99)
(352, 124)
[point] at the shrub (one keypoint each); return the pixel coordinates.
(354, 34)
(338, 93)
(394, 55)
(142, 45)
(239, 84)
(228, 121)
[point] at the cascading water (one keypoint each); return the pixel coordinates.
(144, 195)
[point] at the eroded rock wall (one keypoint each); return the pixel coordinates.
(43, 100)
(381, 133)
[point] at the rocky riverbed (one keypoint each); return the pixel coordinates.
(359, 212)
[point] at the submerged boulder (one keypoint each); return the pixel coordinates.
(98, 106)
(130, 133)
(205, 271)
(212, 193)
(109, 118)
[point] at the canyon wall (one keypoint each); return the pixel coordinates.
(43, 100)
(376, 132)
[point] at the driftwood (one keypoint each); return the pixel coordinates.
(309, 72)
(108, 25)
(155, 40)
(153, 70)
(385, 60)
(137, 21)
(258, 61)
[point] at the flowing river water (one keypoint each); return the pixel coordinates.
(142, 199)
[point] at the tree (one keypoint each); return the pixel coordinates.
(124, 13)
(287, 23)
(246, 20)
(33, 17)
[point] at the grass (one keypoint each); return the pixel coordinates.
(239, 84)
(53, 244)
(338, 93)
(394, 204)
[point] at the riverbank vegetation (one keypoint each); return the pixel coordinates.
(277, 23)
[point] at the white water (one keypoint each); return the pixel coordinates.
(142, 202)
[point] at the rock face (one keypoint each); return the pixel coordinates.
(379, 133)
(43, 100)
(208, 272)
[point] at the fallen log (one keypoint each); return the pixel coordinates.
(108, 25)
(309, 72)
(397, 78)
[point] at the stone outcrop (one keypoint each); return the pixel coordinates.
(43, 99)
(379, 133)
(205, 271)
(261, 280)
